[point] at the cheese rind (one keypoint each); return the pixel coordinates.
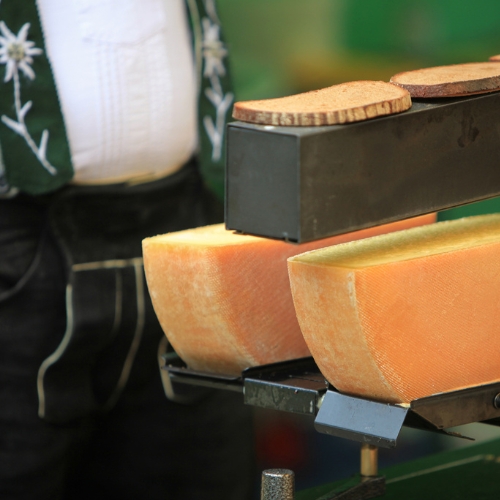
(223, 299)
(402, 316)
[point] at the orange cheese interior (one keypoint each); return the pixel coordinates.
(223, 299)
(404, 315)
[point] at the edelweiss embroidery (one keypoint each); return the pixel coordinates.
(16, 52)
(214, 52)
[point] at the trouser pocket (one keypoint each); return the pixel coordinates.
(112, 334)
(106, 317)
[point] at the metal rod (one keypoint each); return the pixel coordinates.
(369, 461)
(278, 484)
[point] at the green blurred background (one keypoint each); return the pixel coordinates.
(281, 47)
(285, 46)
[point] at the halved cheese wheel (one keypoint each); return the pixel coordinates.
(450, 81)
(495, 58)
(344, 103)
(223, 299)
(405, 315)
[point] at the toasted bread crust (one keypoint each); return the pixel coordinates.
(450, 81)
(344, 103)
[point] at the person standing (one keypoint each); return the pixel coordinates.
(112, 130)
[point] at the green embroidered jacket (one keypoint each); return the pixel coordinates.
(34, 152)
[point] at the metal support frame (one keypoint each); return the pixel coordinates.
(297, 386)
(305, 183)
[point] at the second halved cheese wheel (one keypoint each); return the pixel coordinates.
(450, 81)
(402, 316)
(223, 299)
(344, 103)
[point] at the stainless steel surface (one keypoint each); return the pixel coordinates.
(306, 183)
(278, 484)
(360, 420)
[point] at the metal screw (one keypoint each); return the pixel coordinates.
(496, 401)
(278, 484)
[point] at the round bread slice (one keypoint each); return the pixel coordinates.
(450, 81)
(344, 103)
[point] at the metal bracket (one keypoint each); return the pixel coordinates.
(449, 409)
(297, 386)
(360, 420)
(180, 376)
(294, 386)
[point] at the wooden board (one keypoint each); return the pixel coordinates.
(450, 81)
(344, 103)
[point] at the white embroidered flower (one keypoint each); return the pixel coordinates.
(16, 51)
(215, 131)
(213, 49)
(212, 11)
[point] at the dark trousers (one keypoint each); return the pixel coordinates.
(83, 412)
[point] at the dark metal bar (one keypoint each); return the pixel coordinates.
(294, 386)
(181, 376)
(294, 392)
(297, 386)
(306, 183)
(451, 409)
